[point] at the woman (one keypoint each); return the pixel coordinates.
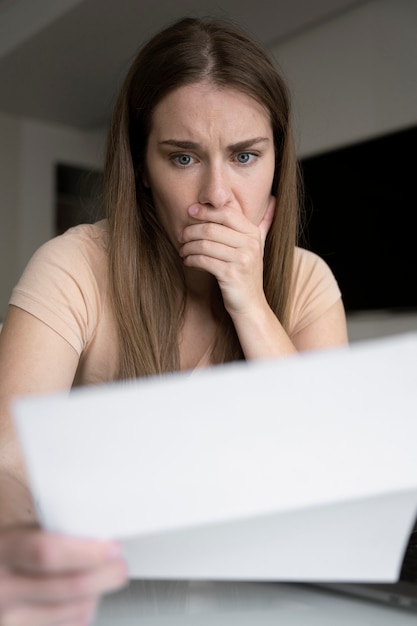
(195, 265)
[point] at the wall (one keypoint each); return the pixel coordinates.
(43, 146)
(29, 152)
(354, 76)
(9, 214)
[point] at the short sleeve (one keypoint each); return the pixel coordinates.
(60, 286)
(314, 290)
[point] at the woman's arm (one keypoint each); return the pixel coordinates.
(261, 335)
(226, 244)
(45, 579)
(33, 360)
(329, 330)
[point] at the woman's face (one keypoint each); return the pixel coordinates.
(212, 146)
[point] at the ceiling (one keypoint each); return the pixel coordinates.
(62, 61)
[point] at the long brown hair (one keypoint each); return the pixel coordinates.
(146, 277)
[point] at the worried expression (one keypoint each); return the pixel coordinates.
(209, 146)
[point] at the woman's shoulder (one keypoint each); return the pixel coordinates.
(80, 247)
(65, 283)
(68, 265)
(311, 274)
(314, 289)
(306, 262)
(88, 236)
(96, 231)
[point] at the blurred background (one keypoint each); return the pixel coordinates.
(352, 69)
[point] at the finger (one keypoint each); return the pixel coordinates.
(209, 231)
(81, 613)
(267, 219)
(36, 551)
(228, 216)
(52, 589)
(222, 261)
(209, 249)
(208, 264)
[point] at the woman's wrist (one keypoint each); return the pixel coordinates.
(16, 504)
(261, 334)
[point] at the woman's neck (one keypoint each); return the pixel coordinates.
(199, 327)
(199, 285)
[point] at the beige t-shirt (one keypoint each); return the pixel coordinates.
(65, 285)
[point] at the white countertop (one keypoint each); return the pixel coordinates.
(182, 603)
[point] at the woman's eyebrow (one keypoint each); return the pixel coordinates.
(178, 143)
(240, 146)
(236, 147)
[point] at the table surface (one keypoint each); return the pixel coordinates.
(182, 603)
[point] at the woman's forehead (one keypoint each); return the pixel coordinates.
(205, 107)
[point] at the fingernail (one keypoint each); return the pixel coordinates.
(193, 210)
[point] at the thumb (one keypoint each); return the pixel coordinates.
(266, 221)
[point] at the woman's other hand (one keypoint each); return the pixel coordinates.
(48, 579)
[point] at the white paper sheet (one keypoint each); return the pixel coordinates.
(303, 468)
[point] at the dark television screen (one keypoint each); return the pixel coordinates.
(360, 216)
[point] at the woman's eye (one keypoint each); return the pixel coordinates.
(183, 159)
(245, 157)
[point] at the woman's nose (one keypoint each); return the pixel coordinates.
(215, 188)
